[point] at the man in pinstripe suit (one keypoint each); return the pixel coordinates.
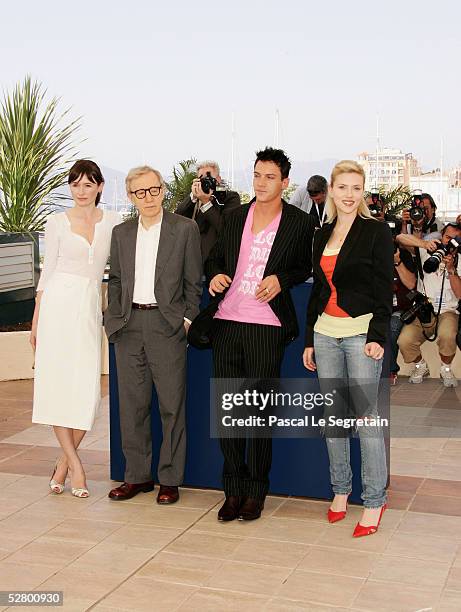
(263, 249)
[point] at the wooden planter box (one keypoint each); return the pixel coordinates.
(17, 358)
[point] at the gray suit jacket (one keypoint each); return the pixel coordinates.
(178, 273)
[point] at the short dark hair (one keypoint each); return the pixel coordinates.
(317, 183)
(86, 167)
(456, 226)
(427, 196)
(277, 156)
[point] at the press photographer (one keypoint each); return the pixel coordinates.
(311, 198)
(404, 275)
(434, 315)
(207, 204)
(404, 280)
(420, 219)
(379, 209)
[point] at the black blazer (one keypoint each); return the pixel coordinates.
(363, 277)
(209, 222)
(290, 258)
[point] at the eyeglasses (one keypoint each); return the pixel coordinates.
(141, 193)
(313, 193)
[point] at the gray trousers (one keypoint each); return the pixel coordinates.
(147, 354)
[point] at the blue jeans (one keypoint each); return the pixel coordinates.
(396, 328)
(343, 359)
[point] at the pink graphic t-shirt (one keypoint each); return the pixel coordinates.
(239, 303)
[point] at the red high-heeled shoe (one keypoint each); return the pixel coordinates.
(361, 530)
(334, 517)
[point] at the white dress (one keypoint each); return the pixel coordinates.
(69, 331)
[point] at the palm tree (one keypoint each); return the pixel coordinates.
(179, 187)
(35, 151)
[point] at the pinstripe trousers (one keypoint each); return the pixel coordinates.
(247, 350)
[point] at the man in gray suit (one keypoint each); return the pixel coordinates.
(154, 293)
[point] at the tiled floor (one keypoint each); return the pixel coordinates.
(137, 555)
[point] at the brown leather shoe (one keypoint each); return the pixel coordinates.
(167, 495)
(251, 509)
(127, 490)
(229, 511)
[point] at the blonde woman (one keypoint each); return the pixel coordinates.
(346, 329)
(67, 324)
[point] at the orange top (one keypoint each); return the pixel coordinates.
(328, 263)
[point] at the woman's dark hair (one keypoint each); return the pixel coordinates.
(90, 170)
(278, 157)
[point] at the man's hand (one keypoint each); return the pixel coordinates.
(406, 216)
(197, 191)
(373, 350)
(397, 259)
(219, 283)
(268, 288)
(309, 359)
(449, 261)
(431, 245)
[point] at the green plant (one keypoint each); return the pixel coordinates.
(394, 200)
(34, 153)
(179, 187)
(289, 191)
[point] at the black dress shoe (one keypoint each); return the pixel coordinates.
(229, 511)
(167, 495)
(127, 490)
(251, 509)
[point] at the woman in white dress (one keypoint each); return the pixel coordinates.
(67, 324)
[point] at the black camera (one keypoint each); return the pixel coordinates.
(433, 262)
(208, 183)
(376, 206)
(416, 209)
(420, 307)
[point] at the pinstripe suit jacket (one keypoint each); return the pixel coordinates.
(290, 258)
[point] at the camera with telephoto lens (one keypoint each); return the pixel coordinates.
(376, 206)
(208, 183)
(416, 209)
(420, 307)
(433, 262)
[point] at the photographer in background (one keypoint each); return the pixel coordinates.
(404, 280)
(311, 198)
(420, 219)
(207, 203)
(404, 275)
(434, 314)
(376, 205)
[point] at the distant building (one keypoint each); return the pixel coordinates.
(388, 168)
(454, 176)
(446, 196)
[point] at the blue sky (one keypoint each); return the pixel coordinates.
(159, 82)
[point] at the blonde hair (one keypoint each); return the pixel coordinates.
(134, 173)
(346, 166)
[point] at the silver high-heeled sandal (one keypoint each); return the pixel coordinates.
(56, 487)
(81, 492)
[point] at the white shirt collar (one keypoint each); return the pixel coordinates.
(152, 227)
